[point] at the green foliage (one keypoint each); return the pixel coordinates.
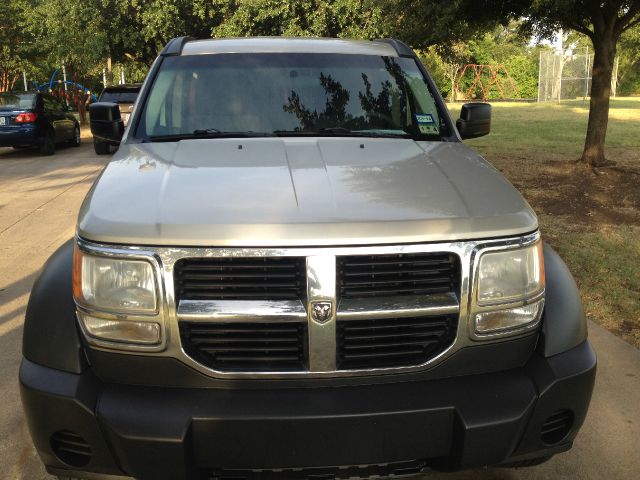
(17, 52)
(629, 57)
(317, 18)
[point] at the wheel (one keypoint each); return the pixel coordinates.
(75, 141)
(48, 146)
(101, 148)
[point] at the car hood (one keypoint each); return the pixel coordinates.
(300, 192)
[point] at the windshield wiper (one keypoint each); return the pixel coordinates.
(207, 133)
(338, 132)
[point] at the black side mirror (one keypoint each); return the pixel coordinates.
(106, 123)
(475, 120)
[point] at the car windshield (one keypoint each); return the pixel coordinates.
(119, 96)
(18, 101)
(289, 94)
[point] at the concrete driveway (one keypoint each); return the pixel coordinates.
(39, 200)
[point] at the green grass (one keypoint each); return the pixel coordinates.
(593, 220)
(552, 131)
(607, 271)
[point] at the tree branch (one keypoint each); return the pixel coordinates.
(627, 21)
(581, 29)
(631, 24)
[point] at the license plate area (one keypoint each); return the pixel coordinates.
(323, 441)
(4, 121)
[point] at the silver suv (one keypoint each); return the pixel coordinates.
(294, 268)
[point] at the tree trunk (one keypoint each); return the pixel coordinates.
(605, 53)
(109, 71)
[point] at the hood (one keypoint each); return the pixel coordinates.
(300, 192)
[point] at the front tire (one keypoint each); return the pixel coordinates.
(48, 145)
(101, 148)
(75, 141)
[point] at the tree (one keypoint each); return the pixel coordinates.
(321, 18)
(629, 47)
(16, 47)
(603, 22)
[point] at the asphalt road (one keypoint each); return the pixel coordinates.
(39, 200)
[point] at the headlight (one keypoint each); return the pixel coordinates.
(117, 298)
(510, 275)
(509, 290)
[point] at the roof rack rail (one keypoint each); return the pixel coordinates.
(400, 47)
(175, 46)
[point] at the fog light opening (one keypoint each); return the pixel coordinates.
(70, 448)
(556, 427)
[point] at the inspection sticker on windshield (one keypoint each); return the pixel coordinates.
(426, 123)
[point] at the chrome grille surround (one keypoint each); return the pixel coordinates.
(321, 286)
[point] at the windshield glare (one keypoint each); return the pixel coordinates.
(19, 101)
(122, 96)
(288, 94)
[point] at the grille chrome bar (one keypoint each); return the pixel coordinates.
(397, 307)
(208, 311)
(321, 287)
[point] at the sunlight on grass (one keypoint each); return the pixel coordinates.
(552, 131)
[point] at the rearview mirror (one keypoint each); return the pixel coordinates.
(475, 120)
(106, 124)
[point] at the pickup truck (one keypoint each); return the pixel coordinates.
(293, 267)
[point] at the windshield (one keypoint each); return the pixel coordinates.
(119, 96)
(289, 94)
(18, 101)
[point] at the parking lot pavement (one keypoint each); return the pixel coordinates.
(39, 201)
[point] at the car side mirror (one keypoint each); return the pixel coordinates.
(106, 123)
(475, 120)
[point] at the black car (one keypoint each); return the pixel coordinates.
(125, 97)
(36, 119)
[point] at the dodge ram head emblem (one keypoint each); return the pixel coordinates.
(321, 311)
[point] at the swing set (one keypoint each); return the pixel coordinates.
(485, 77)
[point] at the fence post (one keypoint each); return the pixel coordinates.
(539, 75)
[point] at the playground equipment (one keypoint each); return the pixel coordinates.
(62, 88)
(486, 77)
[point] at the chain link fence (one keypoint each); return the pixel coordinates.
(567, 75)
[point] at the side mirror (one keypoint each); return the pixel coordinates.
(475, 120)
(105, 121)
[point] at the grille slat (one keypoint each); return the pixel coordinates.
(393, 342)
(237, 278)
(386, 344)
(251, 347)
(354, 326)
(361, 276)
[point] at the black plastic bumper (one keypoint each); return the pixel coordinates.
(185, 433)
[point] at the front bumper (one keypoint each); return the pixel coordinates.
(199, 433)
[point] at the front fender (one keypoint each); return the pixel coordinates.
(564, 325)
(51, 335)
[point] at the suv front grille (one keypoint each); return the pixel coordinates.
(393, 342)
(252, 314)
(235, 278)
(247, 347)
(362, 276)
